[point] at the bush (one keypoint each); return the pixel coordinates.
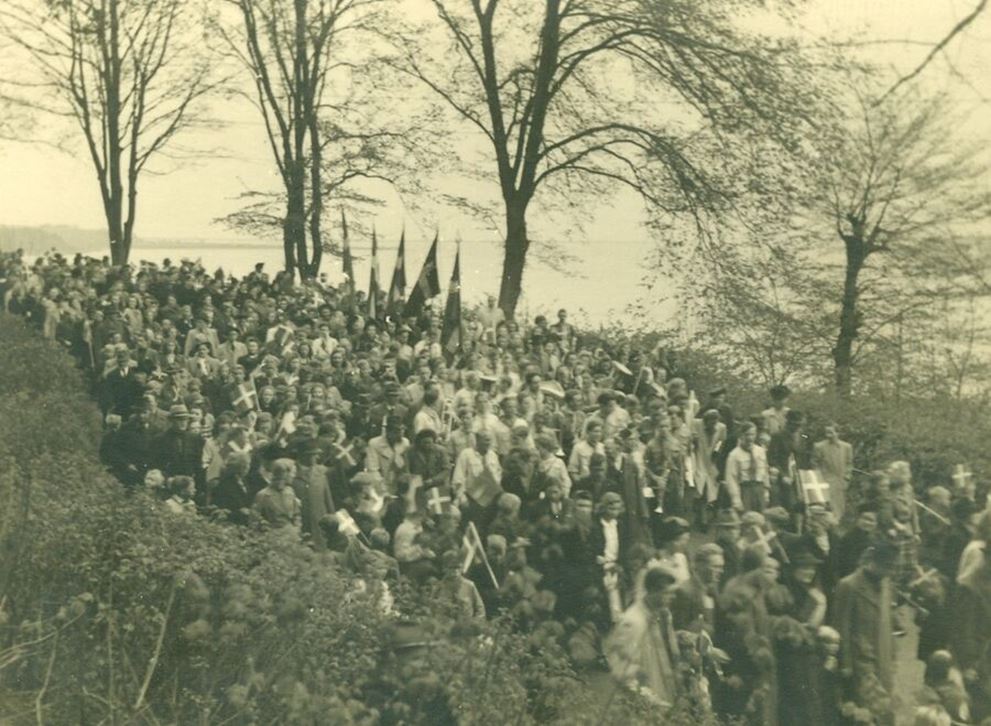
(113, 609)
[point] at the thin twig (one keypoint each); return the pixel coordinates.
(40, 698)
(153, 662)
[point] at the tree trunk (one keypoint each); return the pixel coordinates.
(849, 317)
(112, 69)
(316, 194)
(514, 257)
(294, 237)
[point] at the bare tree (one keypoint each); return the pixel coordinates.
(292, 49)
(938, 47)
(889, 232)
(129, 73)
(581, 97)
(905, 197)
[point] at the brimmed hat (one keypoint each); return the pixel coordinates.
(610, 498)
(780, 391)
(804, 558)
(727, 518)
(777, 516)
(752, 519)
(179, 411)
(671, 528)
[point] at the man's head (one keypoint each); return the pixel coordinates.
(804, 567)
(779, 395)
(553, 492)
(710, 563)
(593, 433)
(431, 394)
(710, 419)
(832, 432)
(794, 420)
(867, 518)
(659, 589)
(606, 403)
(727, 526)
(483, 442)
(282, 473)
(748, 436)
(179, 417)
(584, 506)
(881, 560)
(425, 439)
(610, 506)
(393, 428)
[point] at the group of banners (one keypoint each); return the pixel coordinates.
(427, 286)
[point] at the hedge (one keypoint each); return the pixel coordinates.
(112, 610)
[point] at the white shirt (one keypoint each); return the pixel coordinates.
(610, 530)
(470, 467)
(581, 457)
(428, 418)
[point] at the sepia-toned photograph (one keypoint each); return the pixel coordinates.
(495, 362)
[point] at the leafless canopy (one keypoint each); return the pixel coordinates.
(129, 73)
(542, 82)
(293, 51)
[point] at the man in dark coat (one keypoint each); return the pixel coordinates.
(789, 446)
(727, 534)
(136, 447)
(970, 639)
(232, 493)
(311, 483)
(853, 544)
(121, 390)
(428, 460)
(695, 599)
(180, 452)
(862, 614)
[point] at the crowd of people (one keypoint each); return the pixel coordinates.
(730, 563)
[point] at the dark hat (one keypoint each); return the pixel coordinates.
(727, 518)
(393, 422)
(717, 391)
(671, 528)
(581, 495)
(962, 508)
(426, 434)
(777, 516)
(307, 447)
(804, 558)
(179, 411)
(780, 391)
(883, 552)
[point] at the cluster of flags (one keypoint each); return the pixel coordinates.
(395, 302)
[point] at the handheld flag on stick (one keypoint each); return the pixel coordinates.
(427, 284)
(814, 489)
(346, 258)
(373, 282)
(961, 476)
(471, 543)
(397, 288)
(437, 502)
(451, 335)
(245, 398)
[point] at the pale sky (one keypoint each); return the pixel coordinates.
(42, 186)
